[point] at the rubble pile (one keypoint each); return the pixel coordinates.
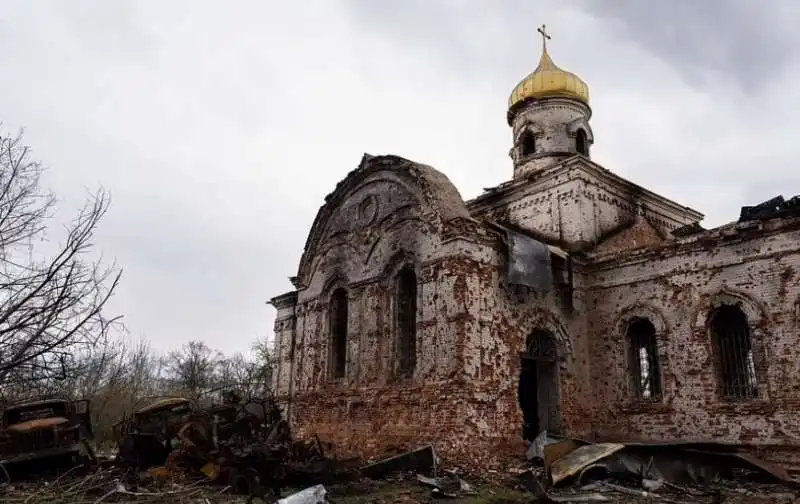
(243, 451)
(572, 470)
(165, 450)
(246, 446)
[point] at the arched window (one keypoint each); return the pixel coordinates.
(581, 146)
(338, 331)
(730, 331)
(406, 320)
(644, 364)
(528, 144)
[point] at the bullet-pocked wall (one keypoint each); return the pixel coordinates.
(364, 360)
(374, 362)
(723, 313)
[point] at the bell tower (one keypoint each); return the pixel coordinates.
(549, 113)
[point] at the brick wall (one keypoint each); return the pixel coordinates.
(676, 287)
(471, 326)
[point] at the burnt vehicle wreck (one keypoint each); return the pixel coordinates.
(49, 430)
(244, 444)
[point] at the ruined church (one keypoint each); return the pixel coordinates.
(566, 299)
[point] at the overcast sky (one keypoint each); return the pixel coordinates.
(220, 126)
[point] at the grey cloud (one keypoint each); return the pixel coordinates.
(220, 128)
(746, 40)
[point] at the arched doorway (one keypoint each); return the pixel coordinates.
(538, 385)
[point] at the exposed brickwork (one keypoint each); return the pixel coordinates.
(639, 233)
(677, 286)
(472, 326)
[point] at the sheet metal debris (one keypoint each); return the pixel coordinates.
(646, 470)
(528, 262)
(422, 460)
(536, 448)
(580, 458)
(313, 495)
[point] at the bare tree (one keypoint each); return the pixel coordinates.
(193, 369)
(51, 304)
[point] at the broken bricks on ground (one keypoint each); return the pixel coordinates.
(246, 448)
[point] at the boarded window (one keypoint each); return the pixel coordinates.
(406, 320)
(338, 328)
(528, 144)
(580, 143)
(736, 367)
(644, 364)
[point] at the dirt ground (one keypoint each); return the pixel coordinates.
(410, 491)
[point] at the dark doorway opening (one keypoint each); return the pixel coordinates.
(538, 385)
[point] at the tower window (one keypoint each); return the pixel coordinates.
(580, 142)
(406, 320)
(338, 328)
(736, 366)
(644, 360)
(528, 144)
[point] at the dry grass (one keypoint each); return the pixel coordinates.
(112, 485)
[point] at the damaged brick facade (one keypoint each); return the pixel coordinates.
(353, 366)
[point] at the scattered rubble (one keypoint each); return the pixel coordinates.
(687, 470)
(172, 451)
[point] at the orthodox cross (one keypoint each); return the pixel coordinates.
(545, 36)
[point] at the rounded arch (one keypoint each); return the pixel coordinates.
(542, 343)
(527, 127)
(732, 304)
(638, 311)
(755, 312)
(332, 246)
(336, 280)
(396, 262)
(431, 187)
(539, 319)
(389, 236)
(581, 124)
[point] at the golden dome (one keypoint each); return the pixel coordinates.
(549, 81)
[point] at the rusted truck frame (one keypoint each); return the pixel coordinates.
(147, 437)
(45, 429)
